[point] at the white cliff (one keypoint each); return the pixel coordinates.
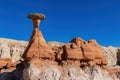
(12, 48)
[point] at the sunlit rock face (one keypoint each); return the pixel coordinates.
(11, 52)
(77, 60)
(70, 65)
(86, 73)
(49, 70)
(38, 60)
(111, 53)
(12, 49)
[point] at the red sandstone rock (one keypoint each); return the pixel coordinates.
(4, 62)
(75, 54)
(67, 46)
(6, 65)
(114, 70)
(74, 46)
(77, 41)
(41, 59)
(59, 55)
(37, 46)
(42, 62)
(87, 52)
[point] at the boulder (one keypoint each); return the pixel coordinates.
(86, 52)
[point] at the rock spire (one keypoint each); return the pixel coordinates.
(37, 47)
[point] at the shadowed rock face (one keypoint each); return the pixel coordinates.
(118, 57)
(11, 52)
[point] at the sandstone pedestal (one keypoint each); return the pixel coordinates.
(77, 60)
(37, 47)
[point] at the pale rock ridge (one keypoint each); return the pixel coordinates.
(55, 44)
(111, 54)
(11, 52)
(12, 49)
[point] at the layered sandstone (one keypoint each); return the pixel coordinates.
(110, 52)
(37, 46)
(12, 49)
(11, 52)
(76, 60)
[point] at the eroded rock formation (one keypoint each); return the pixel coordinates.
(76, 60)
(12, 49)
(11, 52)
(88, 53)
(73, 61)
(111, 53)
(37, 47)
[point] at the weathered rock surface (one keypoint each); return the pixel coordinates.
(55, 44)
(48, 70)
(14, 74)
(11, 52)
(111, 53)
(76, 60)
(37, 46)
(69, 68)
(118, 57)
(12, 49)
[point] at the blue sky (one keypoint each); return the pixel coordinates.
(65, 19)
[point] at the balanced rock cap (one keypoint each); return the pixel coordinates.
(36, 16)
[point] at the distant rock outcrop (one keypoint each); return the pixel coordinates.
(111, 53)
(12, 49)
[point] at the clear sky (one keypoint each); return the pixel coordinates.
(65, 19)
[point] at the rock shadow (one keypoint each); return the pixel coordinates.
(118, 57)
